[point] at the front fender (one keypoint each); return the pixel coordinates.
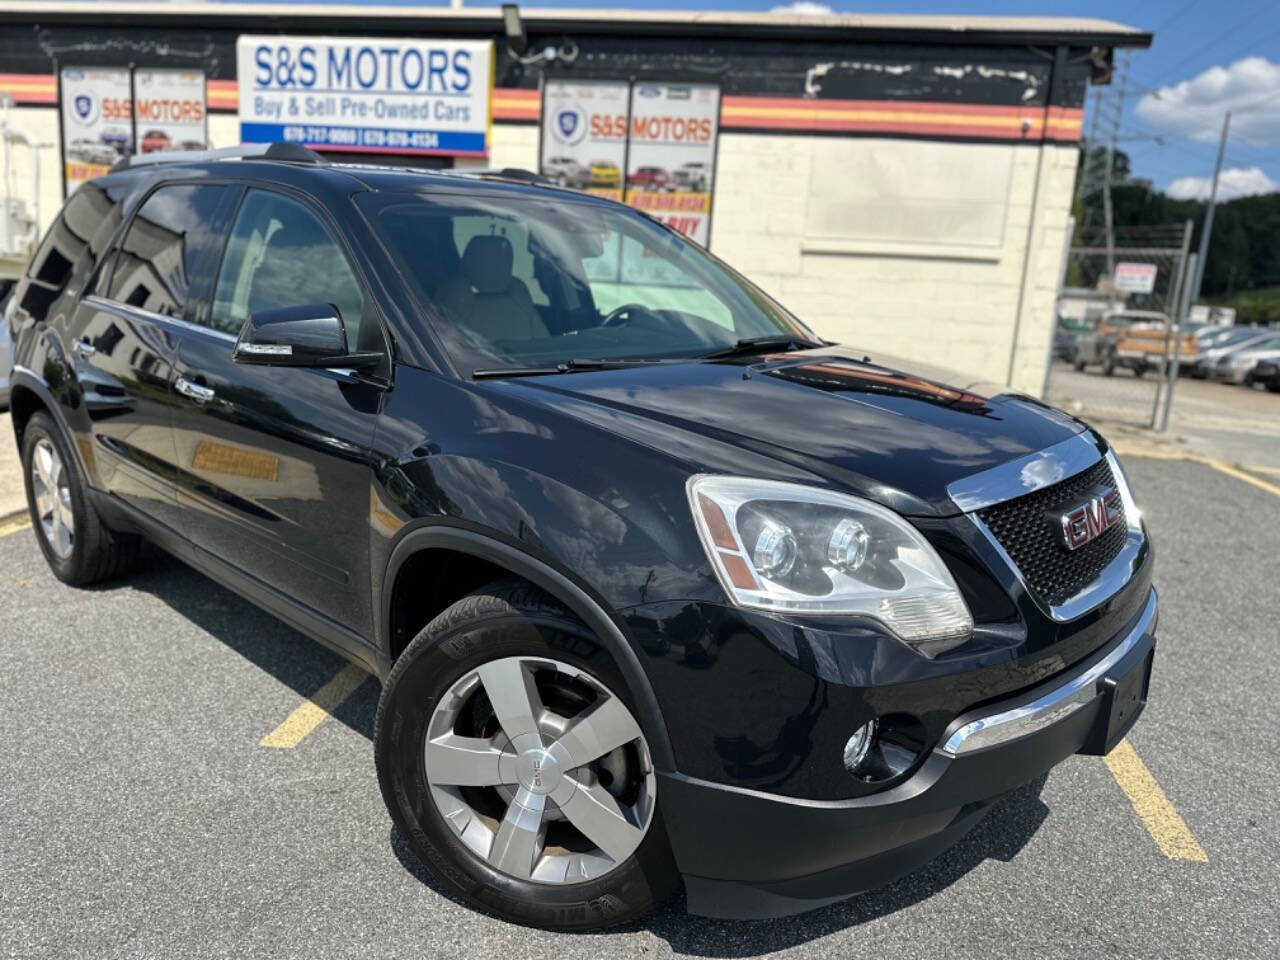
(445, 535)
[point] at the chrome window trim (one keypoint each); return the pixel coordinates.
(1026, 474)
(115, 306)
(1051, 707)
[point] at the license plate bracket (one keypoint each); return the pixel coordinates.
(1123, 695)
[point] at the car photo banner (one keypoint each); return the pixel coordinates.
(671, 154)
(366, 95)
(584, 135)
(171, 111)
(97, 121)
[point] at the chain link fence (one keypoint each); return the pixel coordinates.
(1116, 348)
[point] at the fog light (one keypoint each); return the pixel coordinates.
(855, 751)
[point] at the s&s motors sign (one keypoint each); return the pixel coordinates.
(366, 95)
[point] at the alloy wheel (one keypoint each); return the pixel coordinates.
(540, 770)
(51, 490)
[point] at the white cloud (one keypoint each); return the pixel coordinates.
(802, 6)
(1194, 108)
(1234, 182)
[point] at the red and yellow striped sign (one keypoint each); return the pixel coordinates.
(789, 114)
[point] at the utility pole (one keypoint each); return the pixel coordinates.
(1196, 277)
(1208, 215)
(1107, 212)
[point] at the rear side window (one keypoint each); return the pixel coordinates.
(73, 246)
(281, 255)
(164, 246)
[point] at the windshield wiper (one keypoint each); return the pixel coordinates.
(576, 365)
(750, 345)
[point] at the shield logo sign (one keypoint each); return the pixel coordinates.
(83, 105)
(568, 120)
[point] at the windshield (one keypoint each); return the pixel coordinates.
(534, 282)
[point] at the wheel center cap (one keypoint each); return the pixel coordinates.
(541, 770)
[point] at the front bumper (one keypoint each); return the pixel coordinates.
(749, 854)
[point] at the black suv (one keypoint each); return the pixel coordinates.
(662, 589)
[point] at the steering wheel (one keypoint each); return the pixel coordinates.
(631, 311)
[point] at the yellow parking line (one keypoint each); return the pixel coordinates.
(1224, 468)
(1167, 829)
(312, 712)
(12, 524)
(1264, 469)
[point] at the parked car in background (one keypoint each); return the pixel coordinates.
(1065, 334)
(1218, 346)
(154, 140)
(649, 178)
(694, 177)
(1267, 373)
(1238, 365)
(1137, 340)
(565, 172)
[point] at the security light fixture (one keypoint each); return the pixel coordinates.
(517, 41)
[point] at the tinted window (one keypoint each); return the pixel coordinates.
(281, 255)
(523, 281)
(74, 244)
(164, 245)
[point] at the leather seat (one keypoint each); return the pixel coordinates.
(486, 298)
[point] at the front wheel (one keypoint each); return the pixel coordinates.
(78, 546)
(511, 760)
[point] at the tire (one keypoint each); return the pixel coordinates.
(1108, 367)
(1273, 385)
(1140, 370)
(1078, 365)
(513, 622)
(92, 552)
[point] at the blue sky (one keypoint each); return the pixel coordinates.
(1208, 56)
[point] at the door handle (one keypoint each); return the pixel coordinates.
(85, 348)
(193, 390)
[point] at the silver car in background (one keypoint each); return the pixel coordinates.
(1235, 338)
(1238, 365)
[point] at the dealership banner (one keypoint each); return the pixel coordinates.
(384, 95)
(170, 110)
(584, 135)
(97, 121)
(671, 154)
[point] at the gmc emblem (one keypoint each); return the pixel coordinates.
(1088, 521)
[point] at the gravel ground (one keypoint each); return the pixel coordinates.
(139, 817)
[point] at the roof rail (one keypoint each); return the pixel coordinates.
(293, 152)
(506, 173)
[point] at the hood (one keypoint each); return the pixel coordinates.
(895, 437)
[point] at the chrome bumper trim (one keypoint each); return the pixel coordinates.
(1051, 707)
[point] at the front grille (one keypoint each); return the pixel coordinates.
(1030, 530)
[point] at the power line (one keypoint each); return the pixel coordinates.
(1266, 7)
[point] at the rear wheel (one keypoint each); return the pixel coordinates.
(511, 760)
(78, 546)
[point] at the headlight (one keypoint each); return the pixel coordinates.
(790, 548)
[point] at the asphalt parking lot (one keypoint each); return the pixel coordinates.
(141, 814)
(1232, 423)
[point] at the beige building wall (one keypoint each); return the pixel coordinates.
(945, 253)
(913, 248)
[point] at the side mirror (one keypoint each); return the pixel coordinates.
(308, 335)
